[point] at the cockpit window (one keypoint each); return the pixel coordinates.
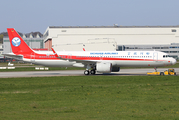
(165, 56)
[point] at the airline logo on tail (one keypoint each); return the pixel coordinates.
(16, 41)
(18, 45)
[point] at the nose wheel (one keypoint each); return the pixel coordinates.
(86, 72)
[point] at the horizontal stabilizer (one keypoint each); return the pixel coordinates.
(12, 55)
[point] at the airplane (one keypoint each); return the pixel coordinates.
(93, 61)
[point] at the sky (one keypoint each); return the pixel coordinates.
(36, 15)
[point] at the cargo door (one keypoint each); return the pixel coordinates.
(32, 57)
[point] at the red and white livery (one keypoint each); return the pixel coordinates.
(100, 61)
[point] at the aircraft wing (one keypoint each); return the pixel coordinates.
(12, 55)
(62, 57)
(79, 63)
(77, 60)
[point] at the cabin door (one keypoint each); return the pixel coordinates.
(155, 56)
(69, 56)
(101, 56)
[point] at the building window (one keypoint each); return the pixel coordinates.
(173, 30)
(164, 48)
(165, 51)
(121, 48)
(173, 47)
(173, 51)
(63, 30)
(155, 47)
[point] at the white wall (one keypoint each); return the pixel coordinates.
(121, 35)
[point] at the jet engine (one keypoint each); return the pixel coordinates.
(106, 68)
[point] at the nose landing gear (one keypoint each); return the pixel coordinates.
(86, 72)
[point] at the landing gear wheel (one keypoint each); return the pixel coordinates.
(162, 73)
(86, 72)
(93, 72)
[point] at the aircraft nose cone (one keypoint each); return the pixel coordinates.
(174, 61)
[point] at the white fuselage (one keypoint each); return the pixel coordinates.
(117, 58)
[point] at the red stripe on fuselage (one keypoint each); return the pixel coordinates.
(40, 57)
(52, 57)
(104, 58)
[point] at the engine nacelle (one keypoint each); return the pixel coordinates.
(104, 67)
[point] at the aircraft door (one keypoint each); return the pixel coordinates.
(155, 56)
(32, 57)
(101, 56)
(69, 56)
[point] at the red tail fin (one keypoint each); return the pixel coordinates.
(17, 43)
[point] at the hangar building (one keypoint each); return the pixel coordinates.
(110, 38)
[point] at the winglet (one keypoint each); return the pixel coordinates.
(54, 52)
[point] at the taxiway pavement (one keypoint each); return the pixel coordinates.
(122, 72)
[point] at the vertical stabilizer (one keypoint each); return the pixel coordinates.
(18, 45)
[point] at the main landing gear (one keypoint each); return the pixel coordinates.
(87, 71)
(92, 72)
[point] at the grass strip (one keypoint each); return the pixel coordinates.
(90, 97)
